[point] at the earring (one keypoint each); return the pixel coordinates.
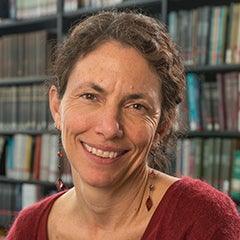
(59, 183)
(149, 202)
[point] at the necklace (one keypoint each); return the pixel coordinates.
(149, 202)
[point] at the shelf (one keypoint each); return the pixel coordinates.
(30, 132)
(184, 4)
(208, 134)
(28, 25)
(132, 4)
(213, 68)
(22, 80)
(52, 185)
(146, 6)
(4, 179)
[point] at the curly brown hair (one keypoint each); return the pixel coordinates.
(149, 37)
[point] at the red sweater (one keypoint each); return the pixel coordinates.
(190, 210)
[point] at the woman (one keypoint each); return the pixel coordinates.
(118, 79)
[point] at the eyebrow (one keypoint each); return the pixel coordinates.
(136, 96)
(97, 88)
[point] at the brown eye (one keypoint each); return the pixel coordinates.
(138, 107)
(88, 96)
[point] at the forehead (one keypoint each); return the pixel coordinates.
(114, 63)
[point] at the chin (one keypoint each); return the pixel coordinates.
(97, 178)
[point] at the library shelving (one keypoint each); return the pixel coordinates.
(33, 36)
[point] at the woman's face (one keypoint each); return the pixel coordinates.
(109, 114)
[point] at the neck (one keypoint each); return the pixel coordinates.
(110, 206)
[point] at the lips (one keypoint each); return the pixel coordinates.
(102, 153)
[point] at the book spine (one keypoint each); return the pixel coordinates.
(193, 91)
(235, 182)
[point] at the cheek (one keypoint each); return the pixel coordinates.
(74, 118)
(142, 133)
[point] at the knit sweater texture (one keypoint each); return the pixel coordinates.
(189, 210)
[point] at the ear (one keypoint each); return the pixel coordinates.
(54, 104)
(162, 132)
(159, 135)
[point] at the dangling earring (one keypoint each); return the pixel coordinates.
(149, 202)
(59, 183)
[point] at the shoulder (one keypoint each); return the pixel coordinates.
(202, 196)
(33, 219)
(200, 192)
(192, 209)
(209, 208)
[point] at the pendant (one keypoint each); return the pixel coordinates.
(149, 203)
(60, 185)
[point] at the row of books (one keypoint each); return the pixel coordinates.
(25, 9)
(25, 157)
(15, 197)
(214, 160)
(98, 3)
(22, 9)
(26, 54)
(207, 34)
(24, 107)
(212, 103)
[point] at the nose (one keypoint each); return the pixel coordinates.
(108, 124)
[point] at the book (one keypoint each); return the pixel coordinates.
(36, 157)
(217, 162)
(70, 5)
(53, 159)
(238, 36)
(208, 160)
(3, 144)
(207, 105)
(45, 157)
(185, 32)
(234, 169)
(219, 16)
(235, 180)
(186, 149)
(221, 104)
(225, 169)
(27, 54)
(193, 91)
(221, 42)
(231, 100)
(33, 9)
(179, 158)
(4, 13)
(9, 165)
(7, 210)
(233, 33)
(238, 104)
(173, 25)
(24, 107)
(30, 194)
(215, 101)
(198, 160)
(22, 156)
(203, 29)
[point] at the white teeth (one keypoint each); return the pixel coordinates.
(100, 153)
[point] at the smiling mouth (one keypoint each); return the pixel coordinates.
(102, 153)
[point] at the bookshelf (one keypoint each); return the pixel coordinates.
(55, 25)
